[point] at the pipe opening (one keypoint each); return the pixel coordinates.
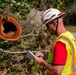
(9, 27)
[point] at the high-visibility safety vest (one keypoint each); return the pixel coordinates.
(70, 42)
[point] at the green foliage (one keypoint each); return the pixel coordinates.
(6, 45)
(14, 70)
(10, 60)
(68, 2)
(5, 57)
(33, 67)
(19, 8)
(7, 64)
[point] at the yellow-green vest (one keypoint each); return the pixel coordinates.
(69, 40)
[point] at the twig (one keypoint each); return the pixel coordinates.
(29, 35)
(20, 52)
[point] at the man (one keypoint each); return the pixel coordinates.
(62, 56)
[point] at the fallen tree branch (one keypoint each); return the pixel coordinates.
(20, 52)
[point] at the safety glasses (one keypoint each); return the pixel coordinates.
(48, 24)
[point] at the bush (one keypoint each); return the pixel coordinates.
(70, 18)
(19, 8)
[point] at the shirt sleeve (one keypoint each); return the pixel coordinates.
(60, 54)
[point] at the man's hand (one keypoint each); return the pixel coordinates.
(39, 58)
(39, 54)
(57, 69)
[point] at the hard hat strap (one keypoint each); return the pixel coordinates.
(56, 27)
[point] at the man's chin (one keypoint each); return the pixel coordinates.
(53, 34)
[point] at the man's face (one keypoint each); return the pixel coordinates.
(51, 27)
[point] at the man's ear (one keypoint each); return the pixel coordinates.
(54, 23)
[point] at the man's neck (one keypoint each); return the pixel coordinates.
(62, 30)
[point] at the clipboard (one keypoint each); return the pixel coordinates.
(30, 55)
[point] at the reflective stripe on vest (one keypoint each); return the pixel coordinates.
(73, 55)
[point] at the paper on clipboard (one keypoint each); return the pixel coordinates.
(30, 55)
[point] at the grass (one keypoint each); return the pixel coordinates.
(71, 28)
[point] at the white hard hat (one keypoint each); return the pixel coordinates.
(50, 15)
